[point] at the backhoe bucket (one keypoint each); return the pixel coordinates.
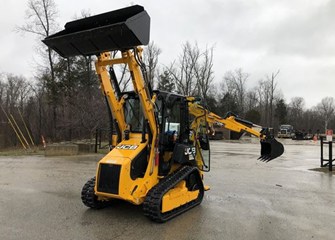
(116, 30)
(270, 149)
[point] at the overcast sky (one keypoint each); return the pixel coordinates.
(259, 36)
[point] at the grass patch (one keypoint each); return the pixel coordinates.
(21, 151)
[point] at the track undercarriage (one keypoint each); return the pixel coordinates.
(174, 195)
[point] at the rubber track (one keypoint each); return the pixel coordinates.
(88, 197)
(152, 203)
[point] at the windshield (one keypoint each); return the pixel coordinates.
(286, 127)
(133, 114)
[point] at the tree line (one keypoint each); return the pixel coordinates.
(63, 100)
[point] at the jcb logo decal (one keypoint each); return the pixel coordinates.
(127, 147)
(190, 151)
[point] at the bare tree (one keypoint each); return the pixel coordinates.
(312, 121)
(122, 73)
(296, 110)
(2, 88)
(165, 82)
(41, 18)
(124, 78)
(326, 109)
(227, 101)
(252, 100)
(150, 57)
(236, 86)
(14, 94)
(184, 73)
(14, 84)
(24, 92)
(193, 73)
(263, 95)
(272, 85)
(204, 73)
(267, 94)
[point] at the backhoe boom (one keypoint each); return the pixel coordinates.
(270, 147)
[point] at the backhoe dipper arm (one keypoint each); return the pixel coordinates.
(270, 147)
(229, 123)
(232, 124)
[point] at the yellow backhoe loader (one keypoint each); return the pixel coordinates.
(161, 149)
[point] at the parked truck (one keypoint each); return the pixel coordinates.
(286, 131)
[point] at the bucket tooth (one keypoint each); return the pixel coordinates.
(122, 29)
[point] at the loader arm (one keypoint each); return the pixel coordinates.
(131, 58)
(270, 147)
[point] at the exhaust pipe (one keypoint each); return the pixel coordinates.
(121, 29)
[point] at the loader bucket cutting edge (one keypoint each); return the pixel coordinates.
(270, 149)
(116, 30)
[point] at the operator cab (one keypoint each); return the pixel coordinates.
(178, 142)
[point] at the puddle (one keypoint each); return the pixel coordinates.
(323, 169)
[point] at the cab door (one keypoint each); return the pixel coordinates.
(203, 146)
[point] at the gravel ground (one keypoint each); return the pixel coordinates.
(283, 199)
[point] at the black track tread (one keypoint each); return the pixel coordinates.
(152, 202)
(89, 198)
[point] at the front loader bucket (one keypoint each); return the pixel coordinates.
(270, 149)
(116, 30)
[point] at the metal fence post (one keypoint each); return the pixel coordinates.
(330, 162)
(96, 141)
(321, 151)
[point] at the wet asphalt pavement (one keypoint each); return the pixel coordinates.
(283, 199)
